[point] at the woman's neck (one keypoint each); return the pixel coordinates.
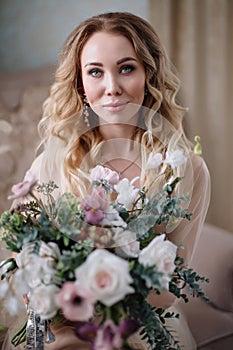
(117, 131)
(119, 151)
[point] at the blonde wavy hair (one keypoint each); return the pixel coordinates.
(62, 117)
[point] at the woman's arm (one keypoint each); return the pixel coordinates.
(187, 233)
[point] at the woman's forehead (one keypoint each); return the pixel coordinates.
(102, 45)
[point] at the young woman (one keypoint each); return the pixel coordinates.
(113, 102)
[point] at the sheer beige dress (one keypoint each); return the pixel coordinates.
(185, 233)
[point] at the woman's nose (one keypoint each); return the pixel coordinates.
(112, 86)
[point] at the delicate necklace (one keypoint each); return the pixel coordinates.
(123, 170)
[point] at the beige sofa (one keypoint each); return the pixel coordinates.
(212, 323)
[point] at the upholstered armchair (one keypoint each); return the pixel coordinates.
(212, 323)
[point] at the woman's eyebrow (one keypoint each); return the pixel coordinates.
(94, 64)
(122, 60)
(125, 59)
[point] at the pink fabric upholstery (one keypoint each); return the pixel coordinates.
(212, 323)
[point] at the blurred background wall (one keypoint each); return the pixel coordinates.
(198, 37)
(32, 32)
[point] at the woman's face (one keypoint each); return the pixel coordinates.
(113, 77)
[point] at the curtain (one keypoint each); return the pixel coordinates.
(198, 36)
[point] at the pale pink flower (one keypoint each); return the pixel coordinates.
(103, 173)
(23, 188)
(76, 302)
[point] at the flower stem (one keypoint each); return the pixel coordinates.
(108, 313)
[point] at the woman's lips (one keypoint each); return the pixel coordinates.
(115, 107)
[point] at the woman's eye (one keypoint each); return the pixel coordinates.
(96, 73)
(127, 69)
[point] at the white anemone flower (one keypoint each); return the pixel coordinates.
(175, 158)
(154, 160)
(112, 217)
(127, 193)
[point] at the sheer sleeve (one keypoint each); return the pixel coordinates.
(47, 168)
(197, 185)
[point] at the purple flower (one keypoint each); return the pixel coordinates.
(93, 216)
(108, 337)
(111, 336)
(128, 327)
(86, 331)
(76, 302)
(23, 188)
(95, 206)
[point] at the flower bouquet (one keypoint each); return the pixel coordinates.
(94, 261)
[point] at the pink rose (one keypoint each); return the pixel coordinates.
(23, 188)
(103, 173)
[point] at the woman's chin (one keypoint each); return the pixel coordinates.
(124, 114)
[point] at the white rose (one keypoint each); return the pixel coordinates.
(13, 305)
(20, 282)
(4, 288)
(127, 244)
(162, 254)
(49, 252)
(127, 193)
(11, 302)
(23, 258)
(37, 268)
(42, 300)
(106, 276)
